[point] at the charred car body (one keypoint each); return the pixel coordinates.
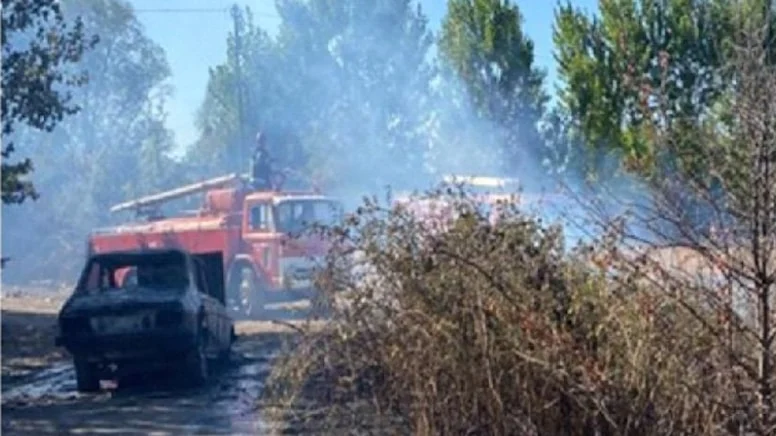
(133, 311)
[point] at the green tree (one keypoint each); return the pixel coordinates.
(482, 42)
(370, 62)
(251, 77)
(115, 147)
(39, 49)
(342, 90)
(638, 55)
(126, 94)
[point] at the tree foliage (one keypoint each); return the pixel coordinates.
(636, 55)
(250, 76)
(725, 272)
(116, 146)
(40, 50)
(348, 80)
(483, 43)
(127, 94)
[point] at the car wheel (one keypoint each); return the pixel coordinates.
(86, 376)
(198, 364)
(226, 354)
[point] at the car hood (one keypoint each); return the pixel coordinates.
(122, 300)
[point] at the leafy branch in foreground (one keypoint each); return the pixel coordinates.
(704, 236)
(39, 51)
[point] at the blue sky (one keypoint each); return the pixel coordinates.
(193, 34)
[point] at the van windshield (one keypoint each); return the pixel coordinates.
(163, 271)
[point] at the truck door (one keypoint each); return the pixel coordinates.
(260, 237)
(259, 218)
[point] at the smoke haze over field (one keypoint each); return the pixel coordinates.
(351, 92)
(187, 51)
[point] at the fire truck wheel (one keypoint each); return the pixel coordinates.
(246, 293)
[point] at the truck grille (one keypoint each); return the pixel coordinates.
(301, 273)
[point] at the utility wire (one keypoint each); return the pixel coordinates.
(200, 10)
(183, 10)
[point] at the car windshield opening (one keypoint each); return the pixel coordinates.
(149, 271)
(296, 216)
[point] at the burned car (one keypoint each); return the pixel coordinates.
(141, 310)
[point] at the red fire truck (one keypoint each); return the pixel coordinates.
(438, 213)
(267, 255)
(492, 195)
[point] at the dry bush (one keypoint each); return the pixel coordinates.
(499, 330)
(703, 235)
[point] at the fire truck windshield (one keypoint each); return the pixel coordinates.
(295, 216)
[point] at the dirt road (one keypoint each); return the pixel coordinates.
(39, 395)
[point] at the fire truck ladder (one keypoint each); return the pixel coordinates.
(151, 202)
(480, 181)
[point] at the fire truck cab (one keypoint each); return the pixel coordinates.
(276, 252)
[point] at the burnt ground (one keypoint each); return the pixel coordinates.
(39, 395)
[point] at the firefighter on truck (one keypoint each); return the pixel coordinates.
(261, 164)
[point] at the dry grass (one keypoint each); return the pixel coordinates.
(33, 304)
